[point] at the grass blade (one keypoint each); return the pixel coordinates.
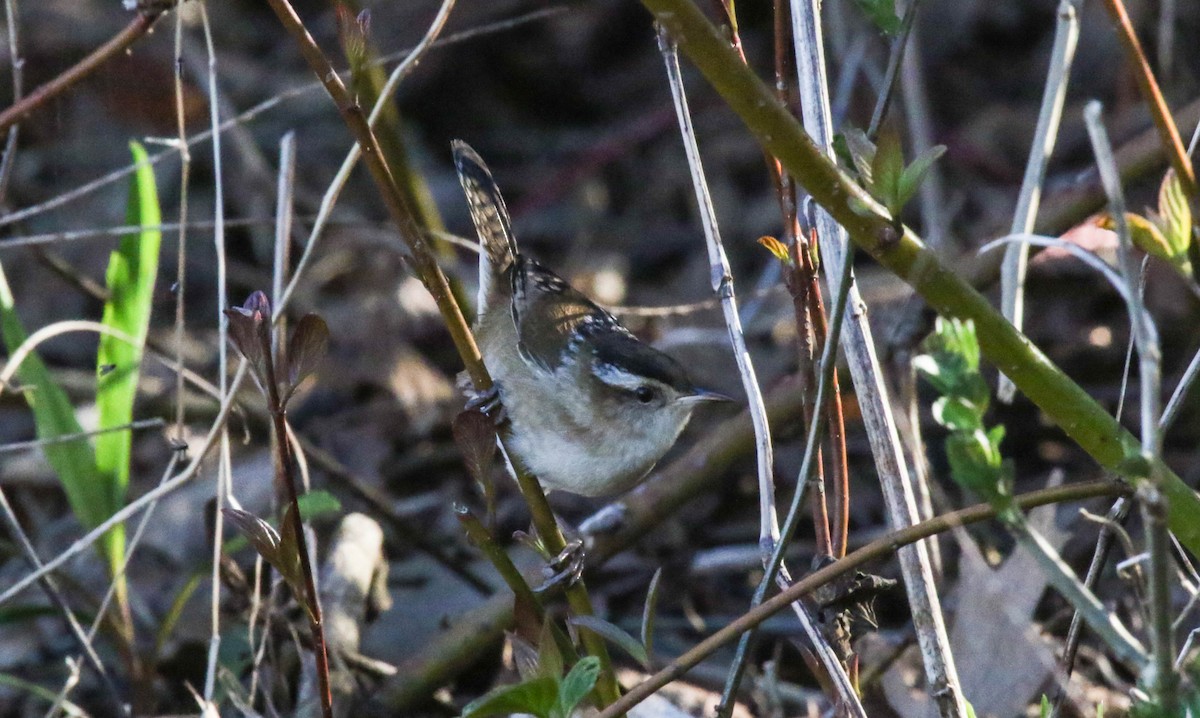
(132, 270)
(54, 416)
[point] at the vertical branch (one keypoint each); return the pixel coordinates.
(18, 86)
(1149, 493)
(872, 392)
(424, 264)
(185, 169)
(284, 211)
(1167, 132)
(1016, 256)
(722, 284)
(224, 467)
(774, 572)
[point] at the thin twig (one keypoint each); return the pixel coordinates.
(774, 568)
(1175, 403)
(333, 192)
(56, 597)
(66, 438)
(932, 193)
(878, 548)
(185, 172)
(721, 278)
(18, 84)
(425, 265)
(1016, 257)
(1060, 575)
(224, 488)
(858, 345)
(722, 284)
(284, 213)
(119, 43)
(132, 508)
(1150, 498)
(253, 112)
(1167, 131)
(895, 60)
(1117, 514)
(508, 571)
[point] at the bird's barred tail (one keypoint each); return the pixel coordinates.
(498, 246)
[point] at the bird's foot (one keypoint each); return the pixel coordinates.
(488, 402)
(565, 569)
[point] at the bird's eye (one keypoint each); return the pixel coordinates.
(644, 394)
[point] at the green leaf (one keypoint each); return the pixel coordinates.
(538, 696)
(73, 461)
(613, 634)
(575, 687)
(287, 560)
(1175, 214)
(132, 270)
(882, 13)
(777, 248)
(550, 660)
(914, 174)
(862, 152)
(976, 465)
(957, 414)
(1045, 709)
(886, 169)
(315, 504)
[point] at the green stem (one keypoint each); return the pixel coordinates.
(424, 263)
(500, 559)
(1064, 580)
(905, 255)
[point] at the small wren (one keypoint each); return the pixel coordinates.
(592, 407)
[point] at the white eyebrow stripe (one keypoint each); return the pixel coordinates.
(617, 377)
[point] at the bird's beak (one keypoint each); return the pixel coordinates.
(703, 395)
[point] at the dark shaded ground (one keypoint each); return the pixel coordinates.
(572, 111)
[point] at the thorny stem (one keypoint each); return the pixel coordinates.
(426, 267)
(136, 28)
(876, 549)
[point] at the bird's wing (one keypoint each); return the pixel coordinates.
(549, 314)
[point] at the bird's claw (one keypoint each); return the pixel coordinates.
(488, 402)
(564, 569)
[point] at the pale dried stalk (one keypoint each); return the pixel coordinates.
(1150, 498)
(721, 278)
(1016, 257)
(859, 349)
(224, 489)
(722, 284)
